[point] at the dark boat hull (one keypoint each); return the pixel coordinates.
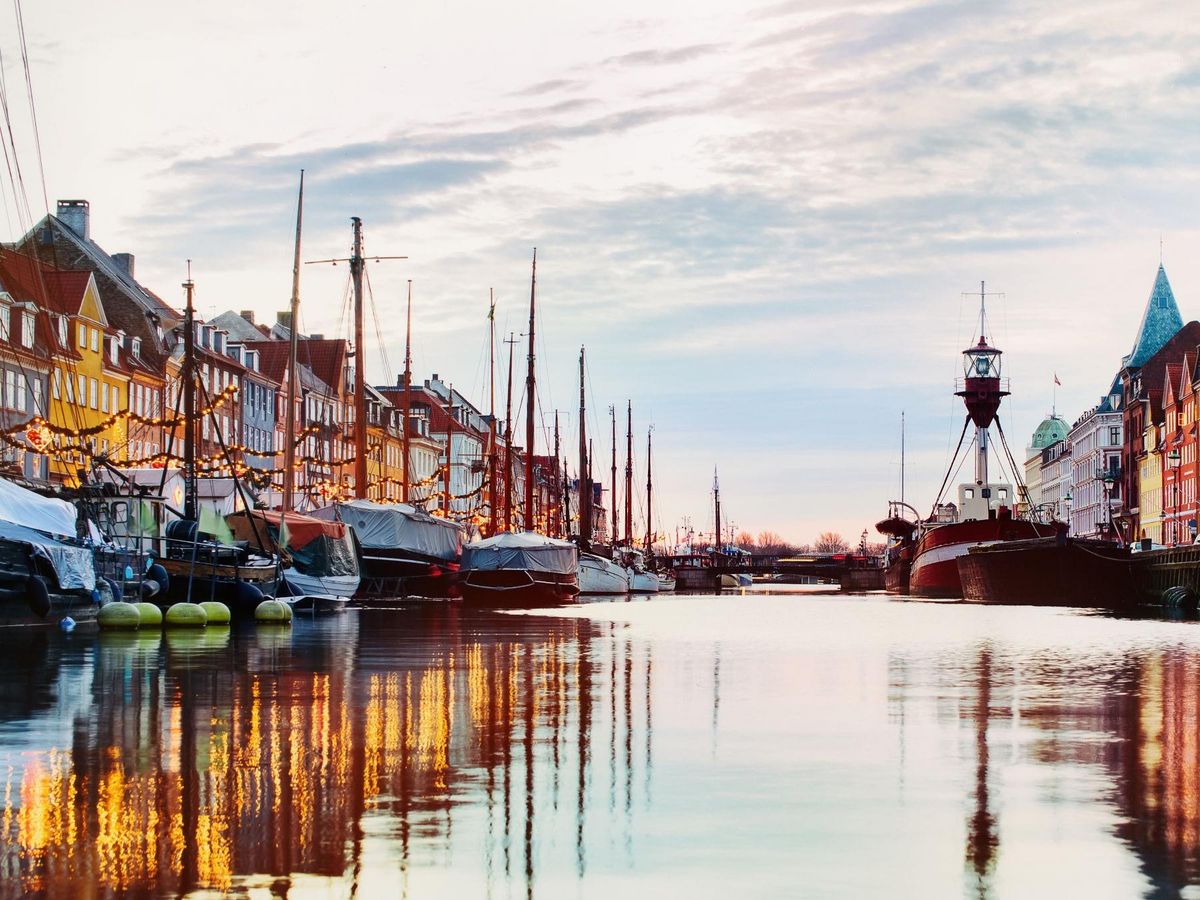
(517, 588)
(394, 576)
(934, 571)
(1050, 572)
(240, 587)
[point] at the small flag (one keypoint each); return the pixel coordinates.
(284, 536)
(492, 312)
(1056, 381)
(212, 522)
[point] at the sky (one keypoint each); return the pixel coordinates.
(762, 219)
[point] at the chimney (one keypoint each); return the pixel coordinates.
(124, 262)
(248, 315)
(75, 215)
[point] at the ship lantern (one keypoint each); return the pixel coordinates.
(981, 387)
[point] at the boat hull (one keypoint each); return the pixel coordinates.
(666, 583)
(934, 570)
(1050, 572)
(643, 583)
(387, 576)
(517, 588)
(600, 576)
(300, 584)
(240, 587)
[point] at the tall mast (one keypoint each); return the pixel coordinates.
(717, 509)
(555, 494)
(492, 413)
(613, 412)
(508, 471)
(530, 402)
(629, 473)
(585, 487)
(407, 389)
(649, 493)
(982, 389)
(901, 457)
(360, 365)
(188, 385)
(293, 389)
(449, 449)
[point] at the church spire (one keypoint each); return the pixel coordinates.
(1160, 322)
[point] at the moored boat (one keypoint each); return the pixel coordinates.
(519, 568)
(598, 575)
(984, 511)
(1050, 571)
(317, 557)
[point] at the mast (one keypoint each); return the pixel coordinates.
(717, 509)
(556, 508)
(360, 366)
(629, 473)
(508, 440)
(585, 487)
(530, 402)
(188, 385)
(649, 493)
(901, 457)
(449, 449)
(293, 389)
(407, 389)
(613, 412)
(982, 389)
(492, 413)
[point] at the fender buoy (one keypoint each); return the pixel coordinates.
(158, 574)
(38, 596)
(151, 614)
(217, 612)
(273, 611)
(185, 615)
(118, 615)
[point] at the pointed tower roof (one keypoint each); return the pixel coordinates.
(1160, 322)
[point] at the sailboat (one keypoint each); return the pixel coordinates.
(984, 513)
(597, 575)
(666, 578)
(404, 551)
(200, 563)
(521, 568)
(640, 580)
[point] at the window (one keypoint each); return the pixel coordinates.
(95, 340)
(56, 384)
(37, 396)
(135, 347)
(27, 329)
(92, 398)
(10, 388)
(4, 323)
(116, 398)
(62, 330)
(82, 393)
(103, 398)
(82, 336)
(112, 350)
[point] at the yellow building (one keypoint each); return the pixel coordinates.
(1150, 509)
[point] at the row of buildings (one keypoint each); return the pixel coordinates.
(92, 362)
(1127, 468)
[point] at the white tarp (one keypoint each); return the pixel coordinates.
(521, 550)
(24, 507)
(72, 565)
(397, 526)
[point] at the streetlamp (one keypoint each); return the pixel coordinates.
(1173, 459)
(1067, 503)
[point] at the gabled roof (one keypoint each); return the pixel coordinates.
(1160, 322)
(1111, 402)
(239, 329)
(326, 357)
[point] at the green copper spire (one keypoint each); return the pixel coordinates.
(1160, 322)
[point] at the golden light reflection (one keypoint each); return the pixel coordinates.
(201, 775)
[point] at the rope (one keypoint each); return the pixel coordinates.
(952, 469)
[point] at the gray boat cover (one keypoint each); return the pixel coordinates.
(72, 565)
(521, 550)
(397, 526)
(24, 507)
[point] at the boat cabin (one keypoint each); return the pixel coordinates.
(983, 501)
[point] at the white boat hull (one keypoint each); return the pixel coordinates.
(643, 583)
(666, 582)
(601, 576)
(332, 585)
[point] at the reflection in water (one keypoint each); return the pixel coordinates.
(439, 751)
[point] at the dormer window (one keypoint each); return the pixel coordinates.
(218, 341)
(62, 331)
(27, 320)
(135, 347)
(5, 326)
(112, 350)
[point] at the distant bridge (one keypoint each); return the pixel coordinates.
(852, 571)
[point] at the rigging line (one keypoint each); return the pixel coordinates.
(37, 140)
(941, 490)
(12, 160)
(383, 356)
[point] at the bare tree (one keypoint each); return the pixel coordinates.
(831, 542)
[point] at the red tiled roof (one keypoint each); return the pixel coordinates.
(326, 357)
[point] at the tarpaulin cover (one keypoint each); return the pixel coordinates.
(316, 547)
(398, 526)
(521, 550)
(24, 507)
(72, 565)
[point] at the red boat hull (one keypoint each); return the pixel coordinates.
(934, 570)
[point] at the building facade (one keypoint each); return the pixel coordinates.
(1096, 439)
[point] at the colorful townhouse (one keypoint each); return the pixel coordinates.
(25, 363)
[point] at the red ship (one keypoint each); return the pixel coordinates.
(984, 511)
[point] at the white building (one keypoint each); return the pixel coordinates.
(1055, 480)
(1096, 440)
(1050, 431)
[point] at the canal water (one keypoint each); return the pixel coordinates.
(750, 745)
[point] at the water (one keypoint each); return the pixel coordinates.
(750, 746)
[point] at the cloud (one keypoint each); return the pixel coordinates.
(660, 57)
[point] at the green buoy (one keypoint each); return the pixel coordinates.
(119, 614)
(218, 613)
(273, 611)
(185, 615)
(151, 614)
